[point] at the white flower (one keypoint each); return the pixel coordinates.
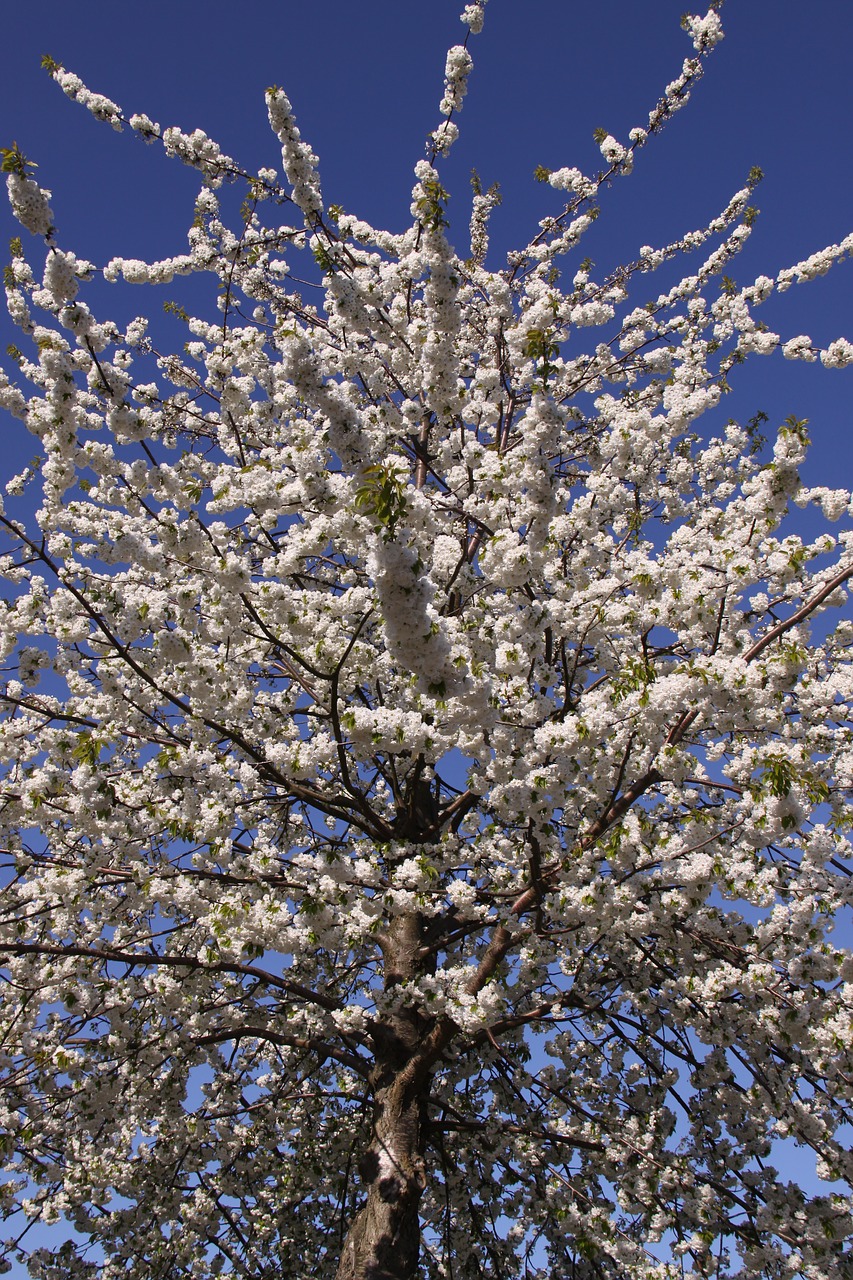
(60, 276)
(705, 32)
(799, 349)
(472, 15)
(456, 72)
(615, 154)
(838, 355)
(571, 180)
(145, 127)
(30, 204)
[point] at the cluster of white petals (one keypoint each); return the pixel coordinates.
(800, 348)
(134, 271)
(571, 180)
(472, 15)
(30, 204)
(705, 32)
(101, 108)
(60, 276)
(148, 130)
(298, 160)
(456, 72)
(838, 355)
(615, 154)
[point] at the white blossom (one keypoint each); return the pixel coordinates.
(705, 32)
(29, 204)
(838, 354)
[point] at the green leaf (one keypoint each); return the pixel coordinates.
(430, 206)
(87, 749)
(175, 309)
(796, 427)
(14, 161)
(636, 676)
(382, 495)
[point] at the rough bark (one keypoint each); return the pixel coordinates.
(383, 1241)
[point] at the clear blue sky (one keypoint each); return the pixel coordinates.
(365, 80)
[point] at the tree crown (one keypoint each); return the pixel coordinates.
(427, 745)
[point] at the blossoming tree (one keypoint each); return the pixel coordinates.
(425, 754)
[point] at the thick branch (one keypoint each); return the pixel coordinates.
(136, 960)
(799, 615)
(314, 1045)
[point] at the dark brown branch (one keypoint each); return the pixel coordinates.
(136, 959)
(314, 1045)
(843, 575)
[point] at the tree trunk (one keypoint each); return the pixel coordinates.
(383, 1241)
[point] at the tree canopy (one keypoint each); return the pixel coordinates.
(426, 747)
